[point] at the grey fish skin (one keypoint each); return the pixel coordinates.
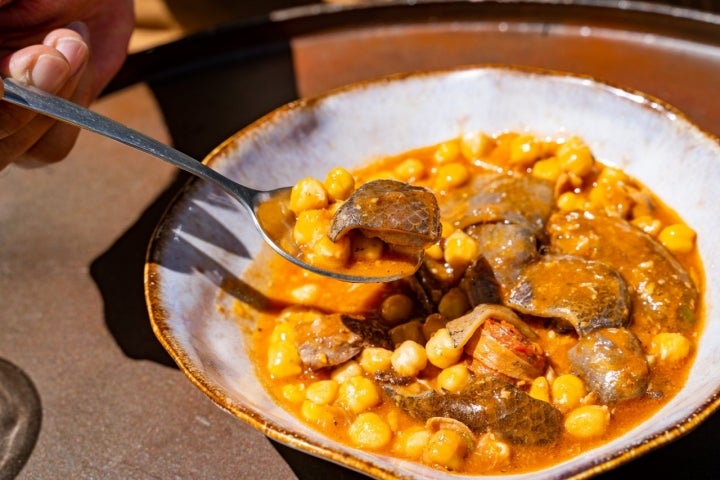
(487, 404)
(395, 212)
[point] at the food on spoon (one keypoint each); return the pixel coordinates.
(380, 222)
(550, 315)
(393, 211)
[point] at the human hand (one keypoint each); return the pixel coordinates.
(71, 48)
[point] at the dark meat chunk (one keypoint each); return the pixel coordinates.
(612, 363)
(331, 340)
(519, 199)
(507, 248)
(584, 294)
(487, 404)
(395, 212)
(664, 295)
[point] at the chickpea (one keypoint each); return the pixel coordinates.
(328, 253)
(410, 170)
(454, 378)
(492, 452)
(409, 358)
(446, 448)
(322, 392)
(453, 304)
(588, 421)
(375, 359)
(475, 145)
(308, 194)
(447, 152)
(575, 157)
(547, 169)
(410, 443)
(310, 226)
(524, 150)
(670, 347)
(540, 389)
(346, 371)
(370, 431)
(441, 351)
(451, 175)
(567, 390)
(396, 308)
(293, 393)
(678, 238)
(460, 249)
(358, 394)
(324, 416)
(339, 184)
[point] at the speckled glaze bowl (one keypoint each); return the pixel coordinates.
(203, 245)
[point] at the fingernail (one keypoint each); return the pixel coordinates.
(74, 50)
(81, 28)
(49, 72)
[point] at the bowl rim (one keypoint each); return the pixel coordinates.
(158, 315)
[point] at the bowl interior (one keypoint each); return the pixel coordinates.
(205, 241)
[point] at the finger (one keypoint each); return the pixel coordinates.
(38, 65)
(72, 45)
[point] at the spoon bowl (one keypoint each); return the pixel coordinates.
(268, 208)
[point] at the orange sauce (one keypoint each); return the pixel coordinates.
(287, 285)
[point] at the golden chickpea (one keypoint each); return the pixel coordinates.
(324, 416)
(322, 392)
(325, 252)
(569, 201)
(410, 170)
(451, 175)
(346, 371)
(308, 194)
(339, 184)
(293, 393)
(358, 394)
(447, 152)
(575, 157)
(524, 150)
(588, 421)
(454, 378)
(446, 448)
(396, 308)
(492, 452)
(370, 431)
(441, 351)
(409, 358)
(410, 443)
(454, 303)
(678, 238)
(474, 145)
(547, 169)
(567, 390)
(310, 226)
(375, 359)
(670, 347)
(460, 249)
(540, 389)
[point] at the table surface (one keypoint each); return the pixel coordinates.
(73, 235)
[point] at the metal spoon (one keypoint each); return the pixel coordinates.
(265, 207)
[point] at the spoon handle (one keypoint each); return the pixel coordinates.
(69, 112)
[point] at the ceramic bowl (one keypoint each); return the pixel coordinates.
(205, 241)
